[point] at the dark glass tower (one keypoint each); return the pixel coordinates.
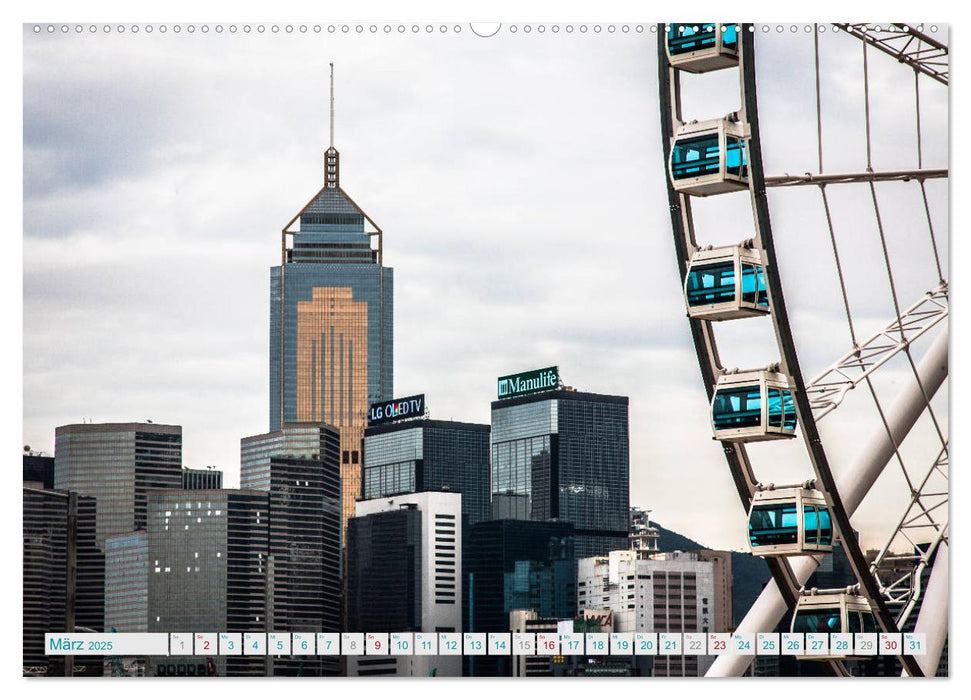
(515, 565)
(331, 314)
(50, 535)
(564, 455)
(429, 455)
(384, 572)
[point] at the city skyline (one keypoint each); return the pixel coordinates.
(512, 231)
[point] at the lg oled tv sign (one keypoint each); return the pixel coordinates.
(397, 409)
(529, 382)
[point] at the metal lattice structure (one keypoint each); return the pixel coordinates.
(906, 44)
(927, 509)
(924, 526)
(827, 390)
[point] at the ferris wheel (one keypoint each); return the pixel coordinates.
(793, 526)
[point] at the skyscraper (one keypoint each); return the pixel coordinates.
(331, 314)
(117, 464)
(563, 454)
(114, 466)
(126, 582)
(126, 596)
(299, 468)
(429, 455)
(64, 577)
(207, 559)
(48, 595)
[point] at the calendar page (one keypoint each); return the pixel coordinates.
(464, 350)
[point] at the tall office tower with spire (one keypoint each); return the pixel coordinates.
(331, 340)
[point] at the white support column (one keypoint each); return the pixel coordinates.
(932, 619)
(854, 483)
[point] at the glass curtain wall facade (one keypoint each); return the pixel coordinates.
(126, 582)
(564, 455)
(384, 572)
(126, 596)
(510, 565)
(208, 561)
(299, 467)
(331, 336)
(117, 464)
(429, 455)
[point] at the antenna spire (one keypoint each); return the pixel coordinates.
(331, 157)
(331, 105)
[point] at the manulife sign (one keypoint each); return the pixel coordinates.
(529, 382)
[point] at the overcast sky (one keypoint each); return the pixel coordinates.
(520, 185)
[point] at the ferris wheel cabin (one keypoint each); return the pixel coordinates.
(709, 158)
(833, 613)
(789, 521)
(699, 47)
(753, 406)
(726, 283)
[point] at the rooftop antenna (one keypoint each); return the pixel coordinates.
(331, 105)
(332, 157)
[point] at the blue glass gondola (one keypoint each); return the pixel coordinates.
(789, 521)
(751, 406)
(709, 158)
(698, 47)
(833, 613)
(726, 283)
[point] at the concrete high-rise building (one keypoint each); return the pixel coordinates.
(202, 479)
(719, 618)
(531, 665)
(299, 468)
(208, 565)
(669, 592)
(644, 537)
(564, 455)
(404, 560)
(429, 455)
(118, 464)
(331, 316)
